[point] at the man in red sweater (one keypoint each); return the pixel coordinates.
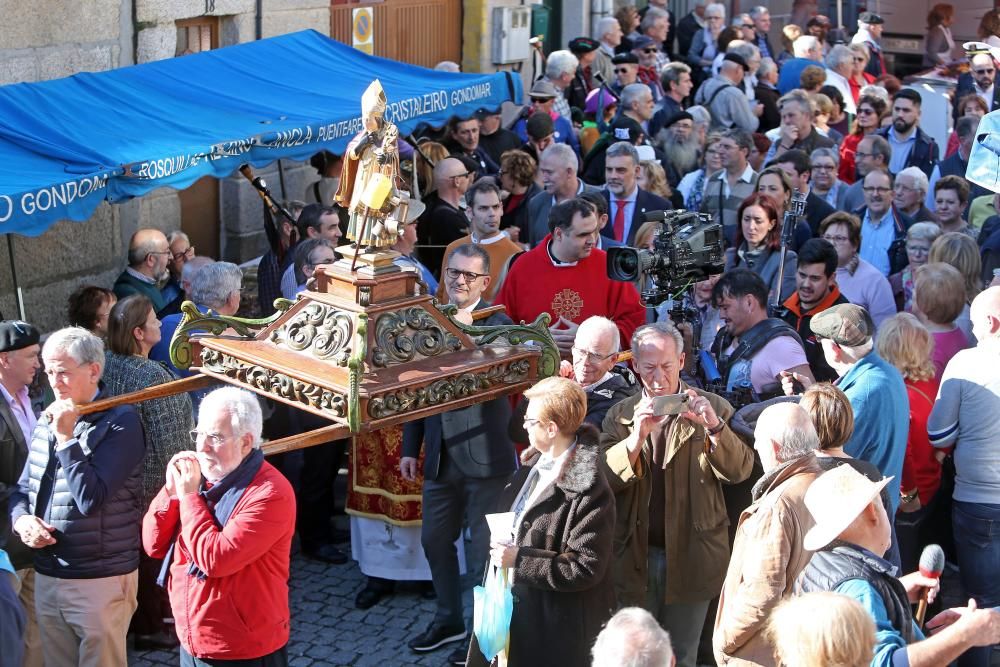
(566, 277)
(223, 525)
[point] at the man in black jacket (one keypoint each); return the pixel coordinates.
(78, 507)
(468, 461)
(980, 81)
(18, 364)
(911, 146)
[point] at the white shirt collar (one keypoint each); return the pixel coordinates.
(493, 239)
(746, 176)
(140, 276)
(628, 198)
(471, 307)
(607, 376)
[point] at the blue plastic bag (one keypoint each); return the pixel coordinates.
(494, 604)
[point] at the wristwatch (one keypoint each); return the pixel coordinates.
(717, 429)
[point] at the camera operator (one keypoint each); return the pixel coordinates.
(753, 350)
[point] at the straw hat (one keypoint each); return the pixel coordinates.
(835, 499)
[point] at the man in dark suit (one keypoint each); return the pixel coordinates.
(18, 364)
(468, 461)
(980, 81)
(558, 168)
(627, 202)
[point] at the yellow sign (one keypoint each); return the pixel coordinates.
(362, 31)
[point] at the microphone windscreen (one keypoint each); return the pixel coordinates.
(932, 561)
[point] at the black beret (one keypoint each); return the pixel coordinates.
(583, 45)
(17, 335)
(625, 59)
(677, 117)
(738, 59)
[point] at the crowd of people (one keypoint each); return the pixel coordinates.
(755, 483)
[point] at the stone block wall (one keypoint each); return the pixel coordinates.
(41, 40)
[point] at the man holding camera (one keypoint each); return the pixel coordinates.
(673, 456)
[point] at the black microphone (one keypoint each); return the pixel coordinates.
(931, 565)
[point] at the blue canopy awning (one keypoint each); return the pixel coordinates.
(69, 144)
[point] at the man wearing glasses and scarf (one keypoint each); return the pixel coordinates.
(223, 525)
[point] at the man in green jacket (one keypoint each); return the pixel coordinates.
(148, 256)
(667, 471)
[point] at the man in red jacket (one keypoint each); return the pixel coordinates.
(228, 585)
(566, 277)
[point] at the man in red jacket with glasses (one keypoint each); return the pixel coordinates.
(223, 525)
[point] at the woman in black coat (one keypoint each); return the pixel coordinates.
(561, 551)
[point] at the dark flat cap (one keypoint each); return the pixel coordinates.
(17, 335)
(845, 324)
(642, 42)
(539, 125)
(871, 18)
(469, 163)
(583, 45)
(625, 59)
(738, 59)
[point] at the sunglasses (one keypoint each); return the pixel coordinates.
(621, 70)
(650, 50)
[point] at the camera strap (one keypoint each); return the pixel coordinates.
(750, 343)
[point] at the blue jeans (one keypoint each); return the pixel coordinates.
(977, 542)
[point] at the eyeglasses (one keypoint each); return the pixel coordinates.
(859, 154)
(984, 71)
(159, 252)
(189, 253)
(468, 275)
(213, 439)
(865, 111)
(836, 239)
(858, 59)
(875, 190)
(823, 167)
(468, 173)
(592, 357)
(749, 26)
(528, 423)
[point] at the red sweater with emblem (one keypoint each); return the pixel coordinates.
(536, 285)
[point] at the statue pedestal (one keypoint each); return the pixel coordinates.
(368, 264)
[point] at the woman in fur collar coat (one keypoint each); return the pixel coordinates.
(560, 554)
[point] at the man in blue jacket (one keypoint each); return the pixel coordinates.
(78, 506)
(911, 146)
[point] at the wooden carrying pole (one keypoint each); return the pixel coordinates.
(158, 391)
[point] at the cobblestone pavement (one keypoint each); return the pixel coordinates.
(328, 630)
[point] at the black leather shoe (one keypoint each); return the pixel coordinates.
(369, 597)
(458, 656)
(436, 636)
(427, 591)
(157, 642)
(326, 553)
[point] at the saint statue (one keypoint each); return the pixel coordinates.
(368, 181)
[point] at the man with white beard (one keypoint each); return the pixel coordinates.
(680, 145)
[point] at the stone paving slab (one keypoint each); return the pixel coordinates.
(328, 631)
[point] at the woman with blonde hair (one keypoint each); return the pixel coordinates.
(938, 298)
(907, 344)
(822, 629)
(962, 252)
(652, 178)
(989, 28)
(789, 33)
(425, 156)
(559, 556)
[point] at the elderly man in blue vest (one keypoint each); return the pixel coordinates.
(78, 507)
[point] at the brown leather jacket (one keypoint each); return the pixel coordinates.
(697, 549)
(767, 558)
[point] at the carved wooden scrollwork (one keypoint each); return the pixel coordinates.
(269, 381)
(323, 330)
(447, 389)
(403, 334)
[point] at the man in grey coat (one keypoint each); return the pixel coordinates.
(469, 459)
(725, 99)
